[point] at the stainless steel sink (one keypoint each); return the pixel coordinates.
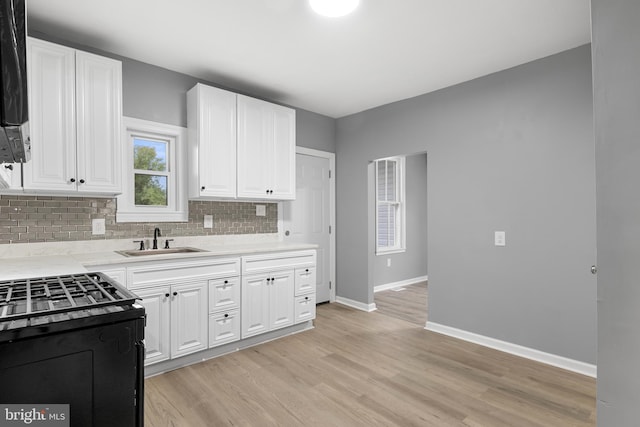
(183, 250)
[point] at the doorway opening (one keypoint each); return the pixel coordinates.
(399, 278)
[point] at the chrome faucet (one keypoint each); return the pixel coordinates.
(156, 234)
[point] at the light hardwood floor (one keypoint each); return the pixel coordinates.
(369, 369)
(407, 303)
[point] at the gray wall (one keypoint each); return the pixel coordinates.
(616, 82)
(413, 262)
(157, 94)
(511, 151)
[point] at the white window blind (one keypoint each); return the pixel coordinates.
(389, 205)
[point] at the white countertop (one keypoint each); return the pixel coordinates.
(36, 260)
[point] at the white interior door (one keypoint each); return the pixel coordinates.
(307, 219)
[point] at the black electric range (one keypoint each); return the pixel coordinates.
(73, 340)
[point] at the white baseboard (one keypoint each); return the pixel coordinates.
(406, 282)
(356, 304)
(515, 349)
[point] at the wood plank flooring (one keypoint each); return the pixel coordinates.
(407, 303)
(369, 369)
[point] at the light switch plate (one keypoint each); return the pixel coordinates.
(261, 210)
(208, 221)
(98, 226)
(500, 238)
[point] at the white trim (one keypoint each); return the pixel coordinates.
(356, 304)
(515, 349)
(177, 208)
(406, 282)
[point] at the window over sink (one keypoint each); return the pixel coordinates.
(154, 178)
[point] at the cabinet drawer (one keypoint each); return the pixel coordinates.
(305, 281)
(153, 272)
(305, 308)
(224, 294)
(256, 264)
(224, 327)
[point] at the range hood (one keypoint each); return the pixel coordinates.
(14, 111)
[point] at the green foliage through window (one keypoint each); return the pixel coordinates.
(150, 189)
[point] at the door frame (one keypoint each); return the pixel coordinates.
(332, 213)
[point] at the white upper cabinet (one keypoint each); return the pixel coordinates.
(211, 119)
(99, 123)
(266, 150)
(75, 112)
(239, 147)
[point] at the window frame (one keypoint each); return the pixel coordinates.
(400, 203)
(177, 203)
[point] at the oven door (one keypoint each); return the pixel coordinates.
(98, 371)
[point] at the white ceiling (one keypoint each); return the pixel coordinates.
(386, 51)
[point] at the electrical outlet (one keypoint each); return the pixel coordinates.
(98, 226)
(500, 238)
(208, 221)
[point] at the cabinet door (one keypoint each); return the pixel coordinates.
(283, 166)
(224, 327)
(211, 116)
(189, 318)
(224, 294)
(255, 148)
(156, 302)
(52, 121)
(281, 308)
(255, 305)
(99, 123)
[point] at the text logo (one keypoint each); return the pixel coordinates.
(34, 415)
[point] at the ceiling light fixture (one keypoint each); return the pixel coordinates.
(333, 8)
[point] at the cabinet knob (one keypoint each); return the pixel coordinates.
(226, 281)
(202, 188)
(82, 181)
(166, 295)
(268, 279)
(267, 191)
(306, 298)
(72, 180)
(175, 294)
(307, 270)
(226, 315)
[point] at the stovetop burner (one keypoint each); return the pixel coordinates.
(36, 297)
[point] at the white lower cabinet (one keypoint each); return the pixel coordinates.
(156, 302)
(224, 327)
(267, 302)
(176, 320)
(195, 305)
(224, 311)
(305, 308)
(188, 318)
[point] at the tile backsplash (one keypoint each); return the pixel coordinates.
(28, 219)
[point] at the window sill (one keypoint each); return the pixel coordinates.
(390, 251)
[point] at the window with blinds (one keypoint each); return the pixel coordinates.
(389, 205)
